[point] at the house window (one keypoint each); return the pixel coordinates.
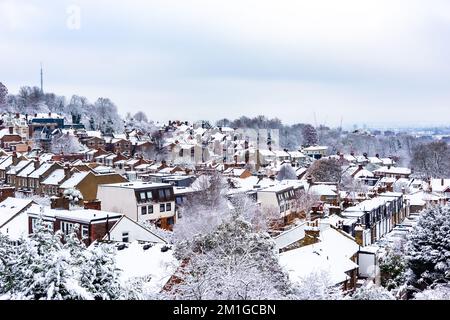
(161, 194)
(149, 195)
(168, 207)
(144, 210)
(142, 195)
(150, 209)
(162, 207)
(84, 232)
(167, 193)
(125, 237)
(66, 227)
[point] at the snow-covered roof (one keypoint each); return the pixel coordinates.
(281, 153)
(367, 205)
(296, 154)
(420, 198)
(41, 170)
(46, 157)
(96, 134)
(393, 170)
(80, 215)
(10, 207)
(363, 173)
(290, 236)
(27, 170)
(103, 169)
(315, 148)
(137, 185)
(266, 153)
(159, 266)
(143, 166)
(18, 167)
(331, 255)
(55, 177)
(46, 116)
(6, 163)
(440, 185)
(74, 180)
(375, 160)
(323, 190)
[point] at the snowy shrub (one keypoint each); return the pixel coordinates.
(317, 286)
(372, 293)
(393, 267)
(439, 292)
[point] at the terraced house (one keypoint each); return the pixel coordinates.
(140, 201)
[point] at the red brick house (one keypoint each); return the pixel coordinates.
(93, 224)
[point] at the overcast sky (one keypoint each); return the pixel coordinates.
(365, 61)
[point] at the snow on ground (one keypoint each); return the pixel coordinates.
(135, 262)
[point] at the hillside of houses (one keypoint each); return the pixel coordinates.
(153, 197)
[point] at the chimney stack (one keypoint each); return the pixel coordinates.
(15, 160)
(11, 130)
(67, 170)
(37, 163)
(60, 202)
(359, 235)
(312, 233)
(93, 205)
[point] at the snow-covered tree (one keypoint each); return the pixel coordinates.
(317, 286)
(106, 117)
(140, 116)
(428, 248)
(326, 170)
(205, 209)
(393, 266)
(231, 262)
(262, 219)
(309, 134)
(286, 172)
(99, 274)
(371, 293)
(66, 143)
(3, 94)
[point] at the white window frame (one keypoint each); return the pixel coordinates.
(84, 231)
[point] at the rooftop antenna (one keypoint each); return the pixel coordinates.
(42, 79)
(315, 119)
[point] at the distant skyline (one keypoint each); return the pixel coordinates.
(376, 62)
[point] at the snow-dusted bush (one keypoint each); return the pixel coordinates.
(439, 292)
(372, 293)
(317, 286)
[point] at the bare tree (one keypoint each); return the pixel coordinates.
(304, 202)
(432, 160)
